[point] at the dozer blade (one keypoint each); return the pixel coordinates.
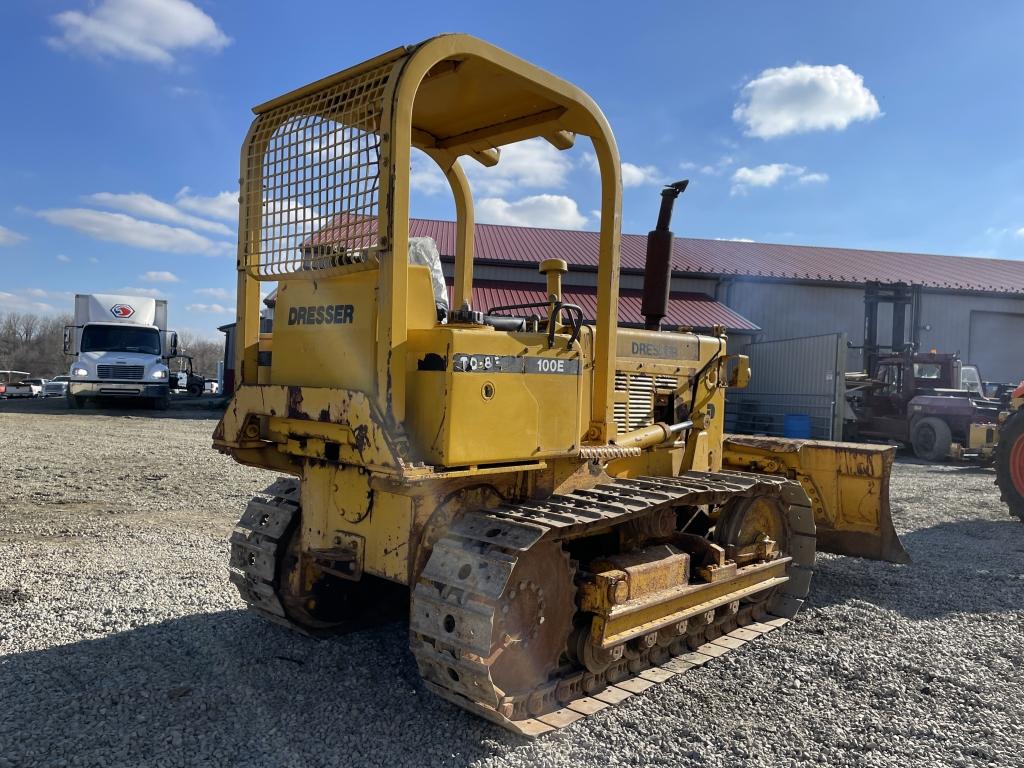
(848, 484)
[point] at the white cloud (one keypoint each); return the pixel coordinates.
(717, 168)
(36, 300)
(63, 259)
(93, 260)
(121, 228)
(29, 301)
(532, 164)
(803, 98)
(638, 175)
(143, 30)
(633, 175)
(160, 277)
(144, 205)
(771, 174)
(223, 205)
(1019, 233)
(153, 293)
(216, 293)
(425, 176)
(215, 309)
(9, 237)
(554, 211)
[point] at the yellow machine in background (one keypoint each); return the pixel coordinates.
(552, 501)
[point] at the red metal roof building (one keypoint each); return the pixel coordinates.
(973, 306)
(495, 243)
(685, 309)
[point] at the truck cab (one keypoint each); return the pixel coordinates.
(923, 399)
(121, 347)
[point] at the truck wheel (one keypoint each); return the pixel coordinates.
(162, 403)
(195, 390)
(1010, 464)
(75, 403)
(931, 439)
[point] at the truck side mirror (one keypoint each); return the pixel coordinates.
(69, 338)
(173, 344)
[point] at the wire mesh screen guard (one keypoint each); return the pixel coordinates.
(312, 186)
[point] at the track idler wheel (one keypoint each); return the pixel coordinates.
(786, 520)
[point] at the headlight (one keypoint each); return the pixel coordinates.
(159, 374)
(79, 372)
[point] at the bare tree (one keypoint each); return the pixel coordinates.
(205, 353)
(33, 343)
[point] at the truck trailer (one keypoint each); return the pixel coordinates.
(121, 345)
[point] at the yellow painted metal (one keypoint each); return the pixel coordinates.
(382, 520)
(847, 483)
(651, 612)
(324, 330)
(415, 96)
(260, 415)
(646, 571)
(553, 269)
(398, 424)
(478, 396)
(983, 438)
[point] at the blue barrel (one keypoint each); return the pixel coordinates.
(796, 425)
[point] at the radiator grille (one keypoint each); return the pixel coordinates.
(636, 409)
(121, 372)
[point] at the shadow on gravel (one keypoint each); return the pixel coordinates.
(230, 689)
(947, 467)
(181, 408)
(964, 566)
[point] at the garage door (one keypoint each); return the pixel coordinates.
(997, 345)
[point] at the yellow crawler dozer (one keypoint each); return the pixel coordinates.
(552, 502)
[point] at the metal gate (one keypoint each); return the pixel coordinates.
(797, 387)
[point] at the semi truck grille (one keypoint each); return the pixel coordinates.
(122, 372)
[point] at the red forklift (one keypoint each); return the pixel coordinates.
(928, 401)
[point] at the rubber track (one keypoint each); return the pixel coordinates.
(486, 545)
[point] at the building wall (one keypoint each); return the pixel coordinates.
(791, 310)
(986, 331)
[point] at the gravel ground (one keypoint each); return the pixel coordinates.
(122, 643)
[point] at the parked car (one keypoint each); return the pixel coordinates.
(56, 387)
(13, 385)
(211, 387)
(36, 386)
(8, 379)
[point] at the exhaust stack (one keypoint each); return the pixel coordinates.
(658, 266)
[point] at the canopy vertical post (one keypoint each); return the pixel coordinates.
(602, 407)
(247, 294)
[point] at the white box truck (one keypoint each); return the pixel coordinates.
(121, 345)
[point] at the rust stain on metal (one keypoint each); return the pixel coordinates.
(362, 438)
(295, 403)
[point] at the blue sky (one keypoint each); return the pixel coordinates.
(895, 126)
